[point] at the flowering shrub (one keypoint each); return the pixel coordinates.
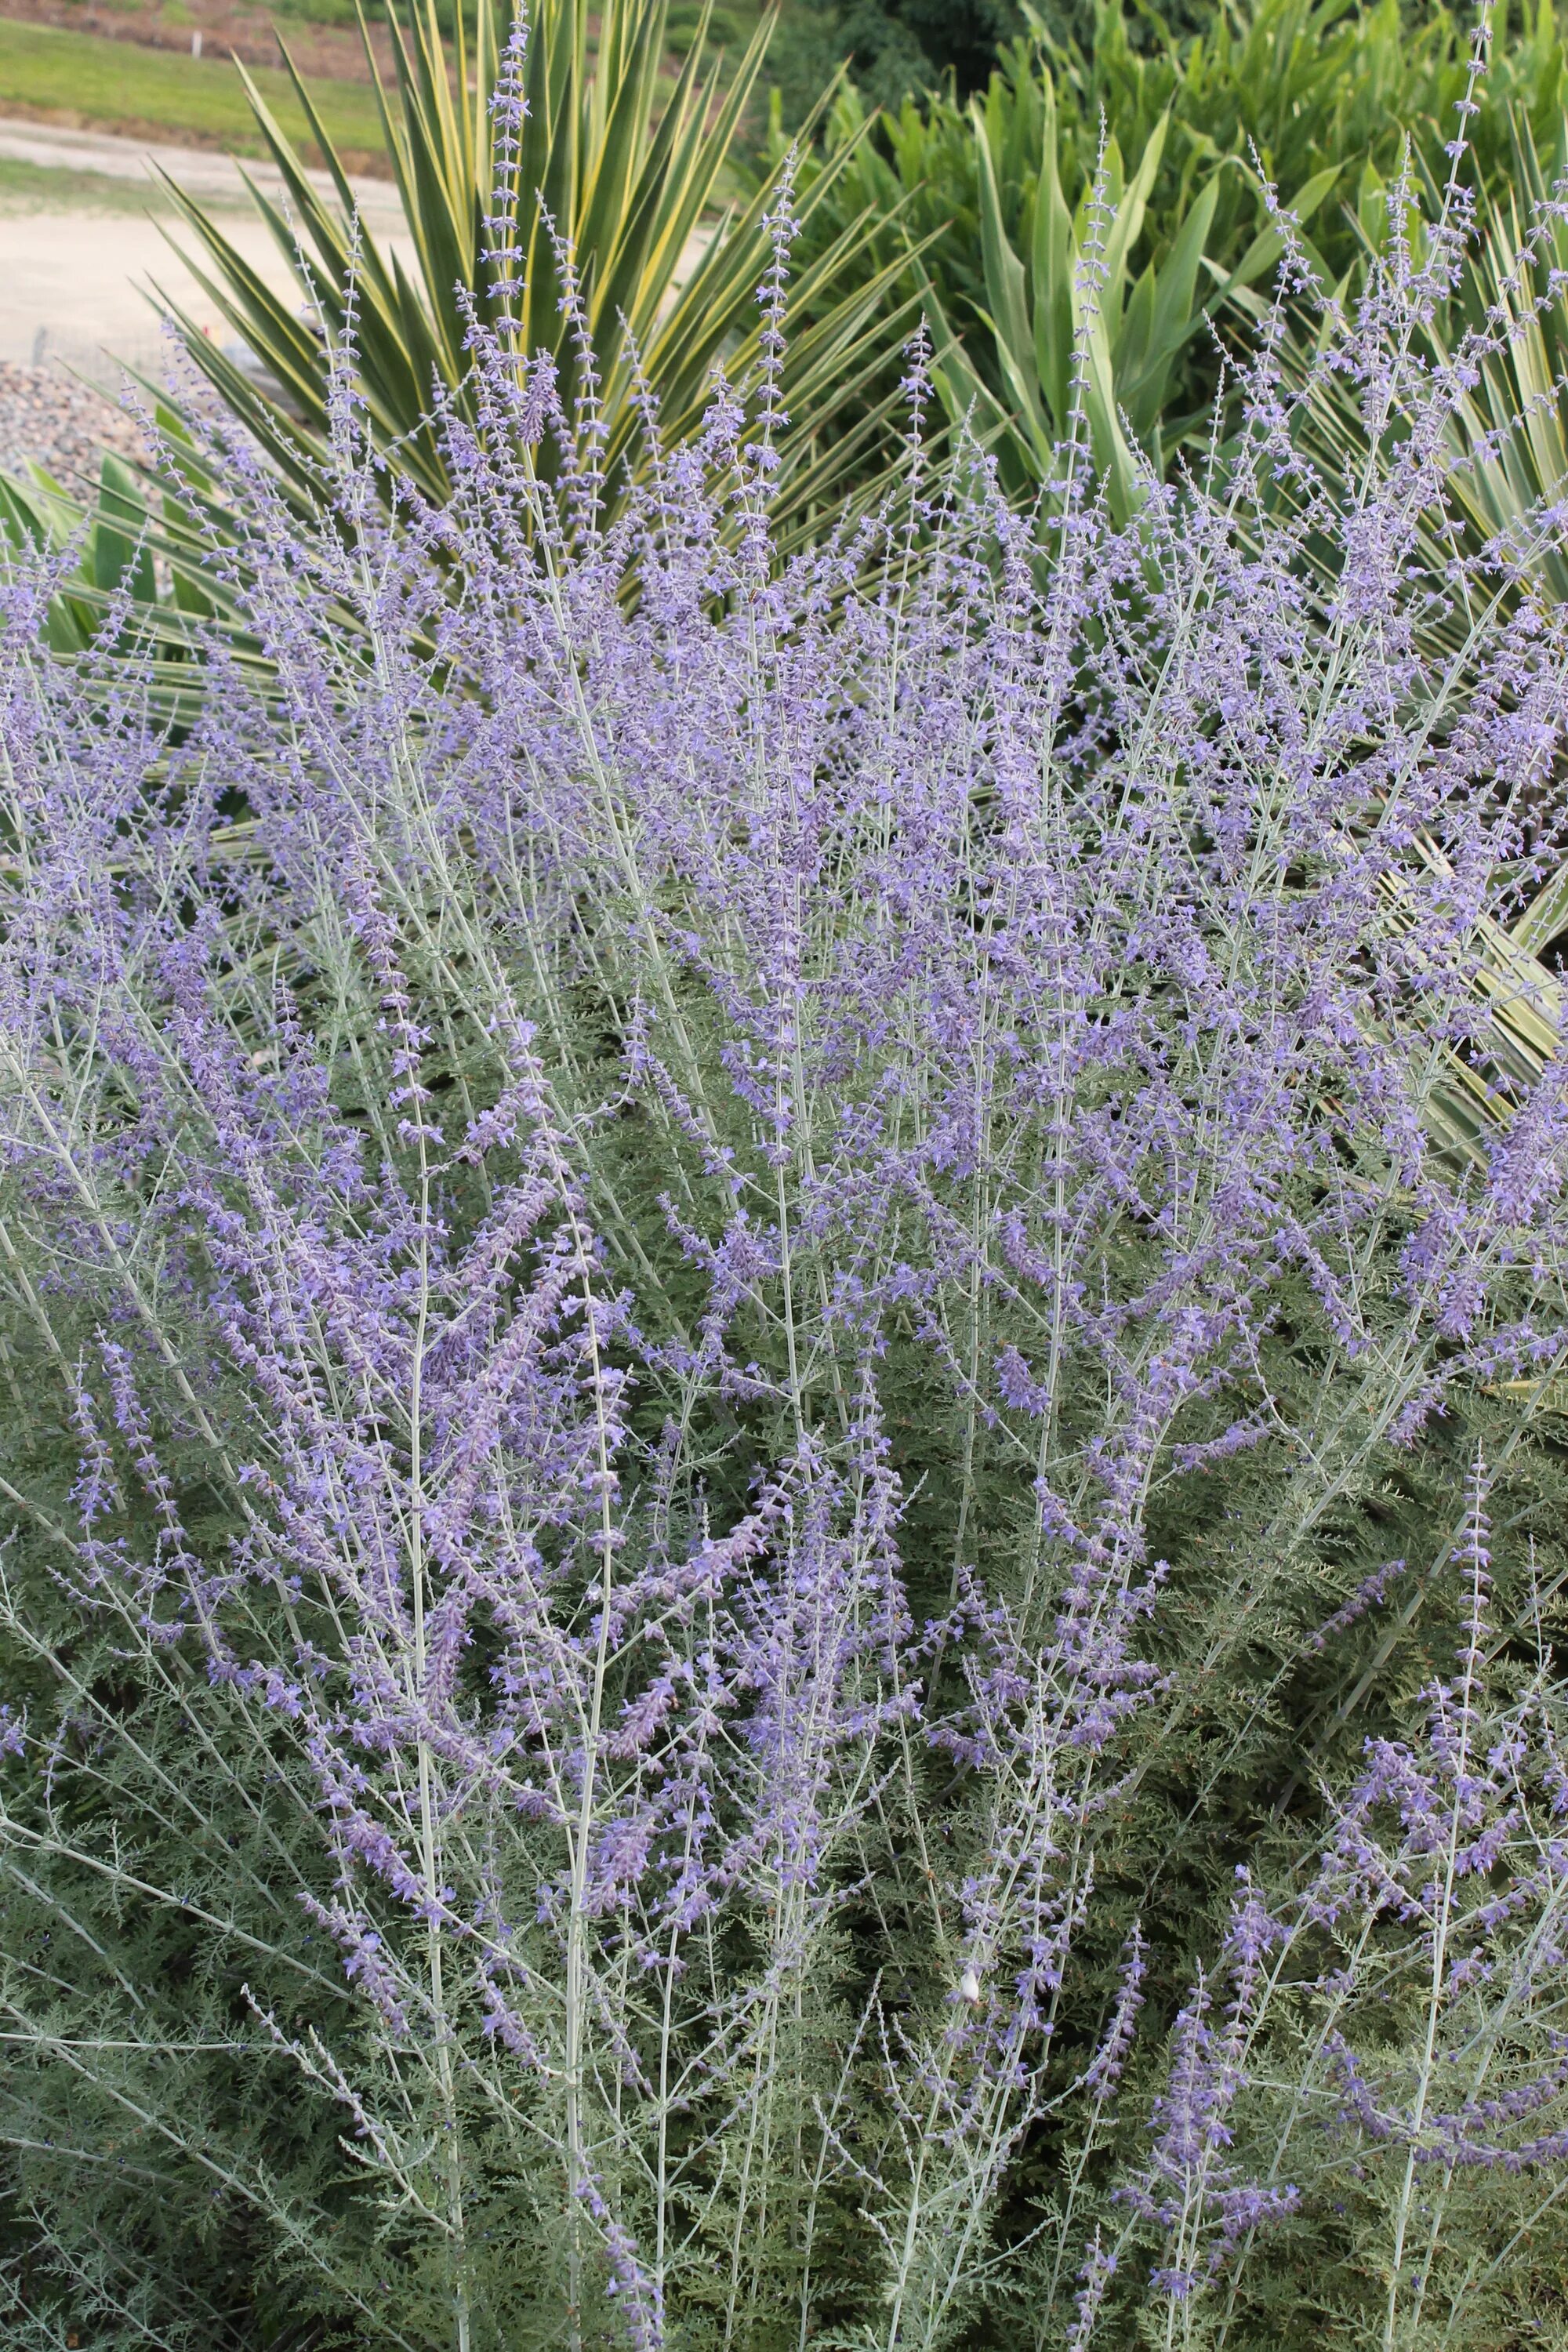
(748, 1307)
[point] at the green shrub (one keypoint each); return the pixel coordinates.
(779, 1309)
(892, 49)
(1314, 101)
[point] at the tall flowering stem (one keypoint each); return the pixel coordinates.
(718, 1272)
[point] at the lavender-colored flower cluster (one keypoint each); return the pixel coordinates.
(739, 1258)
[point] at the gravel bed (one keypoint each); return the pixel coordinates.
(51, 418)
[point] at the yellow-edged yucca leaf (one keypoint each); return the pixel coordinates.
(1510, 442)
(1509, 429)
(605, 163)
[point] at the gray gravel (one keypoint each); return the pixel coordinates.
(51, 418)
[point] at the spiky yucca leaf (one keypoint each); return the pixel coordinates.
(1067, 316)
(550, 194)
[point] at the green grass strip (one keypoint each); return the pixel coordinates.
(118, 85)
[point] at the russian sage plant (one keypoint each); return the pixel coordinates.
(750, 1305)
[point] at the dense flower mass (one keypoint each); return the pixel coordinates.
(752, 1304)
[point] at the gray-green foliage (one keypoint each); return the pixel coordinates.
(737, 1317)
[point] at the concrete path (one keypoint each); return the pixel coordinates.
(72, 272)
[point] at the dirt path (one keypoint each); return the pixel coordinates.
(215, 178)
(75, 259)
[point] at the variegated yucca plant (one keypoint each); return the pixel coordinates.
(559, 190)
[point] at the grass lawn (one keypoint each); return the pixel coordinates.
(117, 85)
(29, 188)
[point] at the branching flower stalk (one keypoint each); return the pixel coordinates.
(754, 1294)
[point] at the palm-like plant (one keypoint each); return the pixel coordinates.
(1312, 98)
(551, 195)
(556, 191)
(1048, 221)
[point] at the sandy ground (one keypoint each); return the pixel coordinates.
(78, 258)
(72, 273)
